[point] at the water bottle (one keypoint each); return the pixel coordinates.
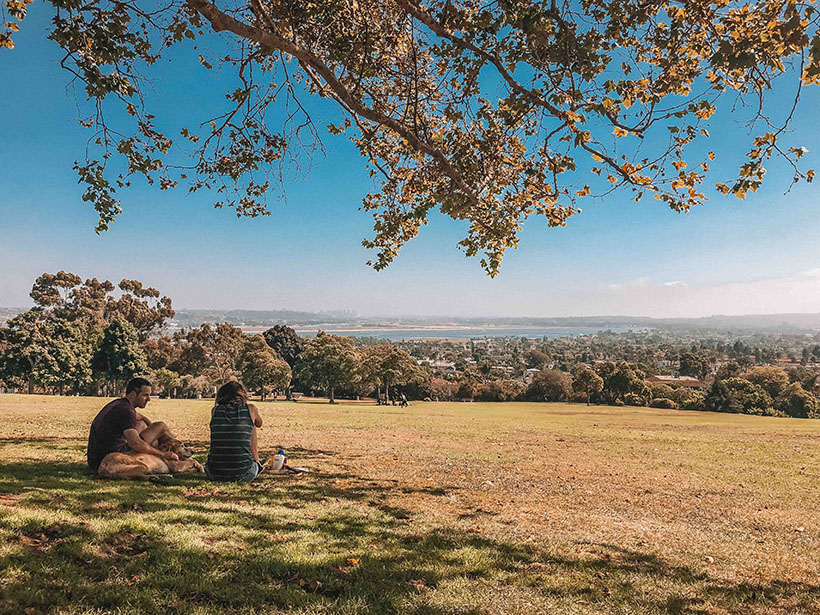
(278, 461)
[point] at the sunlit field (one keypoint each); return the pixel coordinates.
(435, 509)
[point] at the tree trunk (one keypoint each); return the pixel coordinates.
(387, 392)
(30, 386)
(332, 401)
(263, 393)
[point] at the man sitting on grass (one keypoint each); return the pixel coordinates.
(117, 428)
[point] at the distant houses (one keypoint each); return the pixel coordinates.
(438, 364)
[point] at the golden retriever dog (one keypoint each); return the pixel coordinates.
(142, 466)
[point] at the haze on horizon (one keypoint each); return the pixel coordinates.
(640, 297)
(732, 257)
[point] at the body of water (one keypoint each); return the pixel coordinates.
(469, 332)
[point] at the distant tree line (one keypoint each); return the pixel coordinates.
(90, 337)
(761, 390)
(690, 353)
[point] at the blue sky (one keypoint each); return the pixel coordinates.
(616, 257)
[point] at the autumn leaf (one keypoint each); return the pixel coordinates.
(418, 584)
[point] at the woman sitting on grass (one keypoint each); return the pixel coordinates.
(234, 454)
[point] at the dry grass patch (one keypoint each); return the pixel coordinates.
(437, 508)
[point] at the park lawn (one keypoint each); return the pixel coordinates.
(435, 509)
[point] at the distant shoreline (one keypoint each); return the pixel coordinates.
(377, 329)
(450, 332)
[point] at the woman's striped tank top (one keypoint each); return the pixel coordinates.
(230, 456)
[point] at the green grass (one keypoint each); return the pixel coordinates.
(434, 509)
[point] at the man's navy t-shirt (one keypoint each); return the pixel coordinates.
(106, 430)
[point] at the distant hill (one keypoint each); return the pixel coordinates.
(259, 318)
(751, 322)
(786, 323)
(764, 323)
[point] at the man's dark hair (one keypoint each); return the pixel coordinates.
(136, 384)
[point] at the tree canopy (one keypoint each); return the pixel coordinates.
(328, 362)
(119, 356)
(261, 367)
(490, 112)
(387, 366)
(285, 342)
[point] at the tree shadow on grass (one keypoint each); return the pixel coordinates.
(317, 544)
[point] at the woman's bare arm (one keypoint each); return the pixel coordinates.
(257, 420)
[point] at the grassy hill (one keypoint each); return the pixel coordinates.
(433, 509)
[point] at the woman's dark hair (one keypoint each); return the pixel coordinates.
(230, 393)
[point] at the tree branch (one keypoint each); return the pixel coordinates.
(221, 21)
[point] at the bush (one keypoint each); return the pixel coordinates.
(766, 412)
(467, 389)
(661, 391)
(663, 402)
(633, 399)
(737, 395)
(798, 403)
(443, 390)
(502, 390)
(682, 394)
(550, 385)
(693, 402)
